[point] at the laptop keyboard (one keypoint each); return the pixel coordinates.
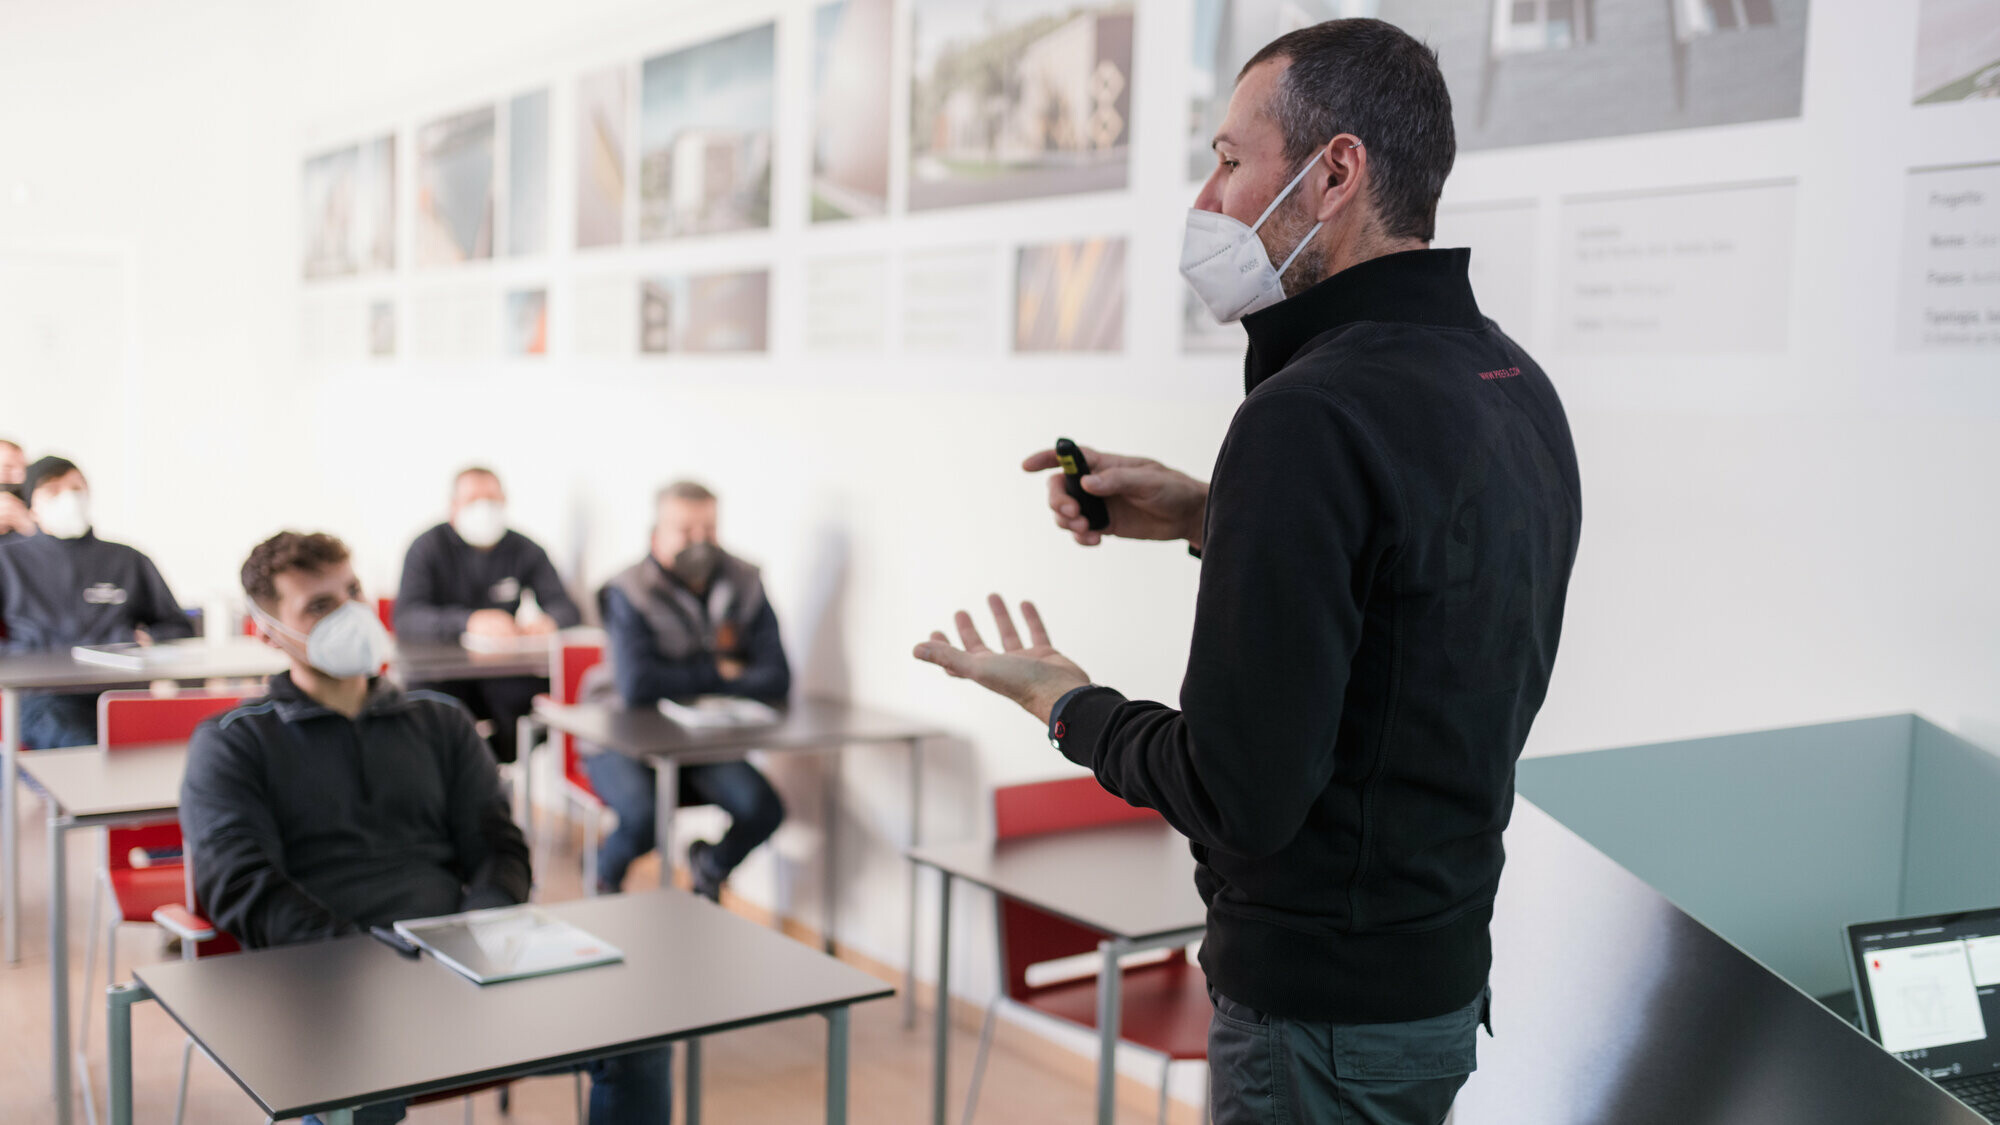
(1981, 1092)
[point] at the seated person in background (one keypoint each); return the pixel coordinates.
(688, 620)
(339, 801)
(66, 587)
(467, 576)
(15, 520)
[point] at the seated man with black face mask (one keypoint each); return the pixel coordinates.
(338, 801)
(16, 522)
(468, 576)
(66, 587)
(688, 620)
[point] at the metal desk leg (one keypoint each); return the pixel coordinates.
(337, 1116)
(666, 802)
(693, 1092)
(940, 1060)
(831, 857)
(1109, 1010)
(121, 998)
(910, 920)
(59, 1046)
(836, 1067)
(10, 852)
(524, 774)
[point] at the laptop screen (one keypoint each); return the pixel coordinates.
(1929, 989)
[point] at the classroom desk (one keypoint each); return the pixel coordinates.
(92, 788)
(1610, 1004)
(329, 1026)
(432, 662)
(1132, 882)
(58, 672)
(810, 726)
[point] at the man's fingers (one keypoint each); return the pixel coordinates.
(1059, 498)
(938, 651)
(1113, 482)
(1040, 459)
(968, 633)
(1088, 538)
(1003, 622)
(1037, 634)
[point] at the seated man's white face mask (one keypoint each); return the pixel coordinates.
(481, 523)
(350, 641)
(66, 515)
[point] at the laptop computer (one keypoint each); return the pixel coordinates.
(1929, 992)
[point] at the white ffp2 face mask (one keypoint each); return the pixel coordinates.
(481, 523)
(66, 515)
(350, 641)
(1225, 264)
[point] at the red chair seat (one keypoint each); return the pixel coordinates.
(142, 890)
(1164, 1007)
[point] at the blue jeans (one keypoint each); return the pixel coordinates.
(50, 721)
(1267, 1070)
(634, 1089)
(627, 785)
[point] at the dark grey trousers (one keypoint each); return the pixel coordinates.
(1265, 1070)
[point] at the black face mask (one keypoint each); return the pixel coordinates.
(696, 564)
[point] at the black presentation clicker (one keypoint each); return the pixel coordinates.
(1075, 468)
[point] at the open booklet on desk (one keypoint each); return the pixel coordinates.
(708, 712)
(165, 654)
(511, 646)
(508, 943)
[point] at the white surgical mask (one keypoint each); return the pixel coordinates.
(350, 641)
(1224, 261)
(66, 515)
(481, 523)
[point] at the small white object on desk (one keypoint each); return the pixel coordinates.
(711, 711)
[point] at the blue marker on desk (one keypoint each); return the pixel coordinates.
(395, 941)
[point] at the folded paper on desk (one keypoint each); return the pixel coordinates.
(140, 657)
(711, 711)
(508, 943)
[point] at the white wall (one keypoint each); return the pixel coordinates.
(1769, 540)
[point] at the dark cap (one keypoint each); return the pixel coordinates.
(44, 471)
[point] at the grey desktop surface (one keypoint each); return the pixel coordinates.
(1612, 1005)
(89, 782)
(1129, 880)
(642, 732)
(59, 671)
(349, 1021)
(431, 662)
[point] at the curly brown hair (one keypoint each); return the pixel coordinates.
(288, 550)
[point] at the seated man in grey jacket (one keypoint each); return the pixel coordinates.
(690, 619)
(339, 801)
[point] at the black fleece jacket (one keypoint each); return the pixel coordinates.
(1391, 524)
(445, 579)
(305, 824)
(56, 593)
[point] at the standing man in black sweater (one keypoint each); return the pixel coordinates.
(1385, 551)
(467, 576)
(66, 587)
(339, 801)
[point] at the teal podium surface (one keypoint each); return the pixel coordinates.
(1775, 839)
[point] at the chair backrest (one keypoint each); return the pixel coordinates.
(134, 718)
(573, 658)
(1028, 936)
(385, 609)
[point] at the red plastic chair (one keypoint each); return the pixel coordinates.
(1164, 1002)
(577, 652)
(140, 868)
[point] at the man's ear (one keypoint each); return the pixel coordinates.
(1346, 161)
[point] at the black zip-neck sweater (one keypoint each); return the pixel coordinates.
(304, 823)
(1390, 529)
